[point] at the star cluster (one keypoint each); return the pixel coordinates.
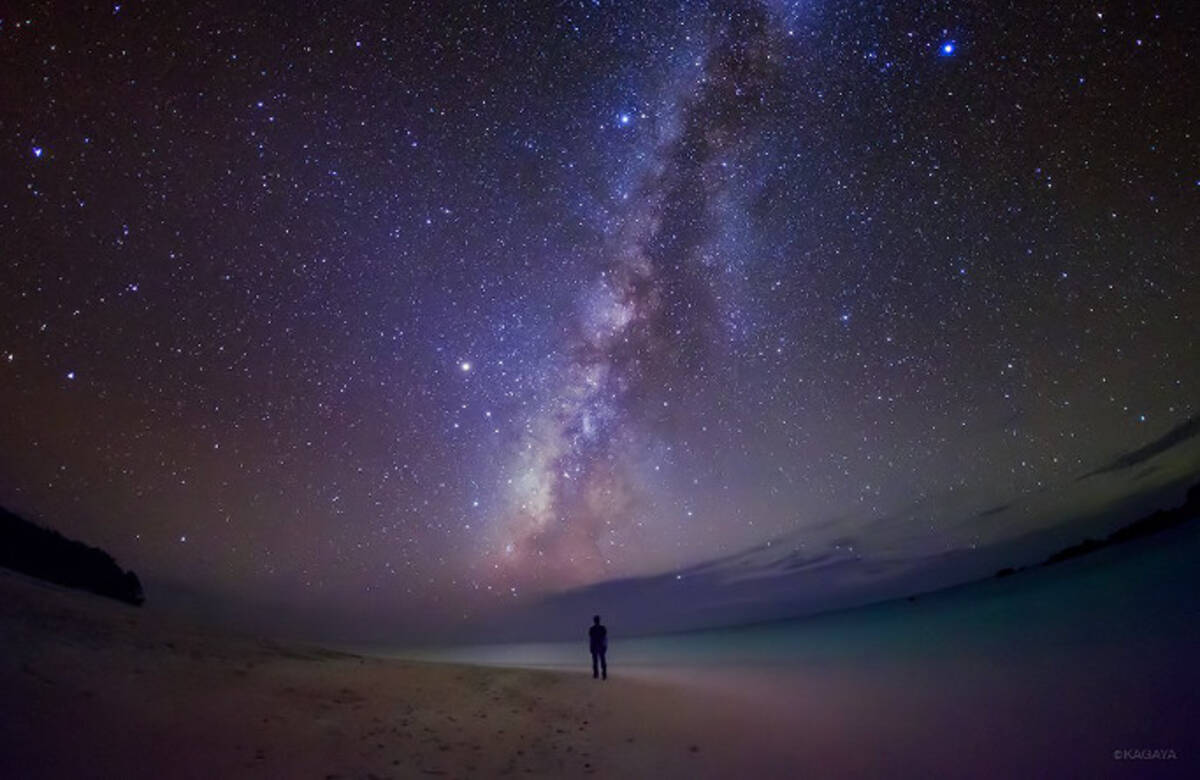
(424, 309)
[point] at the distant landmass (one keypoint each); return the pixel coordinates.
(48, 555)
(1146, 526)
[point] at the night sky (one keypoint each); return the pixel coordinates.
(440, 310)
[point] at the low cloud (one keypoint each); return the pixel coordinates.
(1173, 438)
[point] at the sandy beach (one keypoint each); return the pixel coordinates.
(94, 688)
(97, 689)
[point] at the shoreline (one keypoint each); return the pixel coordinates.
(104, 690)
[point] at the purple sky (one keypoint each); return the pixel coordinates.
(424, 317)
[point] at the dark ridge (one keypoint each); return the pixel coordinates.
(1142, 527)
(48, 555)
(1074, 551)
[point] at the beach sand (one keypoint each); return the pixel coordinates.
(93, 688)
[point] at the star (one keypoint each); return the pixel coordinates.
(792, 271)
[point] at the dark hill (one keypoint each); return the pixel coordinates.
(1146, 526)
(48, 555)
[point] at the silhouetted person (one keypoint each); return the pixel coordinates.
(598, 642)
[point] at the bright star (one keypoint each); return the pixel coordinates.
(624, 119)
(948, 48)
(37, 151)
(464, 366)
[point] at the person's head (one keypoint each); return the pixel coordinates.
(596, 619)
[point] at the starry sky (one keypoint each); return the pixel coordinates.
(417, 313)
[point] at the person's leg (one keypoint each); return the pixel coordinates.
(604, 663)
(595, 671)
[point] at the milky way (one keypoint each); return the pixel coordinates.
(409, 314)
(649, 321)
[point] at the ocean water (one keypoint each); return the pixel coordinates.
(1089, 668)
(1134, 595)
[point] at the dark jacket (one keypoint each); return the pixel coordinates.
(598, 638)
